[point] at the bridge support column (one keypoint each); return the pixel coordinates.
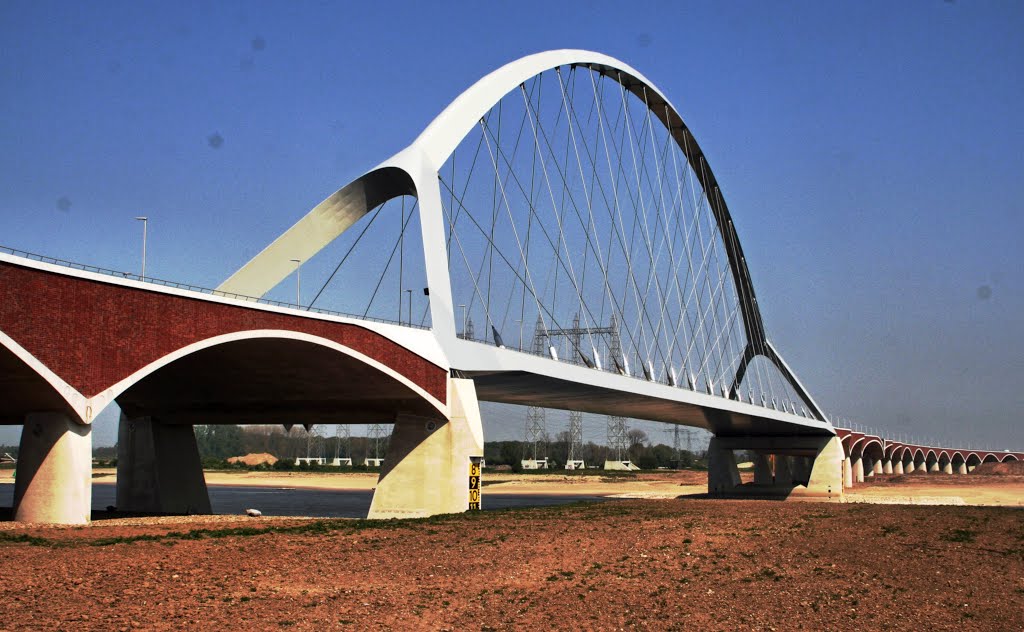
(908, 468)
(887, 466)
(847, 473)
(762, 470)
(53, 482)
(426, 471)
(858, 470)
(897, 467)
(790, 470)
(948, 467)
(158, 468)
(723, 475)
(934, 467)
(962, 469)
(826, 473)
(877, 468)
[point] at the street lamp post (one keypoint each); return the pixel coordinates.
(298, 280)
(145, 226)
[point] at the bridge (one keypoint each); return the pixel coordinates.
(561, 193)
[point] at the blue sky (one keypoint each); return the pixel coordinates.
(872, 155)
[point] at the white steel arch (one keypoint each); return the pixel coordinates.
(414, 171)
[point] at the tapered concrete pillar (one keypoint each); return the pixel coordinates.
(426, 469)
(887, 466)
(53, 482)
(858, 469)
(784, 470)
(723, 475)
(897, 467)
(934, 467)
(847, 473)
(948, 467)
(158, 468)
(763, 470)
(877, 468)
(908, 467)
(970, 468)
(826, 478)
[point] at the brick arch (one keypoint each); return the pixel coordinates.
(93, 334)
(269, 376)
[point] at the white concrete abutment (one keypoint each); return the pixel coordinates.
(426, 471)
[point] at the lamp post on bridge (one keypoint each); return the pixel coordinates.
(145, 226)
(298, 280)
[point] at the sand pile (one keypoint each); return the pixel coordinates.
(254, 459)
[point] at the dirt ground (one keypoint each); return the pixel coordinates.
(631, 564)
(665, 560)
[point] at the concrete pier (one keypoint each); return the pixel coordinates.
(427, 467)
(53, 482)
(723, 475)
(158, 468)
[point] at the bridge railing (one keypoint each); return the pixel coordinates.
(194, 288)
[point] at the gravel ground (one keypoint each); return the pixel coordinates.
(651, 564)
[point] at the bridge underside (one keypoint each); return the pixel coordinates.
(528, 389)
(24, 391)
(271, 381)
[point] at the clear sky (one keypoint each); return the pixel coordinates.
(872, 154)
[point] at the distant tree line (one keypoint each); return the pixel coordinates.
(217, 443)
(642, 452)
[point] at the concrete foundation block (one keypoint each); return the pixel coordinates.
(53, 481)
(158, 468)
(426, 471)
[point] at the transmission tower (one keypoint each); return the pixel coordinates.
(309, 439)
(376, 432)
(676, 447)
(342, 434)
(536, 421)
(618, 441)
(575, 435)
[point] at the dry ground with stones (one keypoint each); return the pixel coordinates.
(624, 564)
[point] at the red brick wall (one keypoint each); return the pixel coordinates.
(94, 334)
